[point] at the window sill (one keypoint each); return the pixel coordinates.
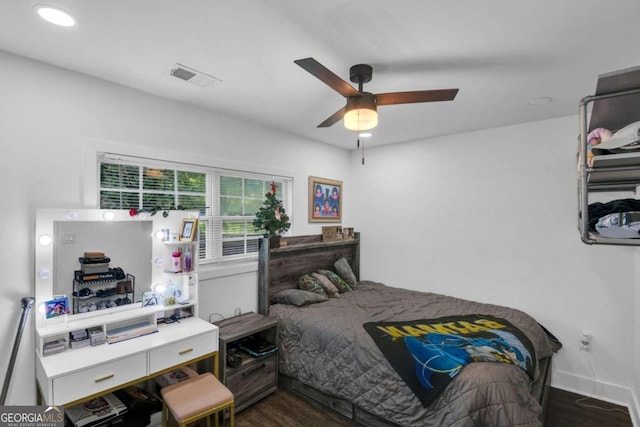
(215, 271)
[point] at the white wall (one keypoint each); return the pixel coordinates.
(491, 216)
(51, 123)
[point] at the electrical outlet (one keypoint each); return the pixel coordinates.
(585, 342)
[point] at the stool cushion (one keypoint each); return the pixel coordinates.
(195, 395)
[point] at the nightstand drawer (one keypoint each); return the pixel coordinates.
(253, 378)
(181, 352)
(84, 383)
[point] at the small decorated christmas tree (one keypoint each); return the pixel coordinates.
(271, 217)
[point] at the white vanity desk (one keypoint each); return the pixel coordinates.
(79, 374)
(83, 373)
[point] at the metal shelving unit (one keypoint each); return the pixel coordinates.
(615, 105)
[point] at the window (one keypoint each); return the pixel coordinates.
(227, 200)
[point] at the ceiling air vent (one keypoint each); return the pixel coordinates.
(193, 76)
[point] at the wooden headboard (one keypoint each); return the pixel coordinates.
(281, 267)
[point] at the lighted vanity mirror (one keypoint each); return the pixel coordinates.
(138, 258)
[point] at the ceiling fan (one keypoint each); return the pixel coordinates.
(360, 112)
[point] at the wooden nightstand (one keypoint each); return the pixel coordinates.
(256, 376)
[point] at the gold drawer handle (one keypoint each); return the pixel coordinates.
(185, 351)
(106, 377)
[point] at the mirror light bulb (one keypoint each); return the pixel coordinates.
(45, 240)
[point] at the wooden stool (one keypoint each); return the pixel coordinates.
(196, 398)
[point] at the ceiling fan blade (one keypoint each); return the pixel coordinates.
(416, 96)
(327, 76)
(335, 117)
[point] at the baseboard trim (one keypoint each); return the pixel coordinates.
(601, 390)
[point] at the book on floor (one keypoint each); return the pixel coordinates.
(96, 411)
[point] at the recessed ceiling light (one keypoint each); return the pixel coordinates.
(55, 16)
(539, 101)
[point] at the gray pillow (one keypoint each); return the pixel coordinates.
(344, 270)
(297, 297)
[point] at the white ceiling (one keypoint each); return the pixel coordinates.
(500, 53)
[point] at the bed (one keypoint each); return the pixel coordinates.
(328, 357)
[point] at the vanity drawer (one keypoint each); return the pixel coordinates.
(181, 352)
(77, 385)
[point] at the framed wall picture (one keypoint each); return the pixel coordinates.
(189, 229)
(325, 200)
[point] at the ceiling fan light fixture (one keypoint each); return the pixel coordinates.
(361, 112)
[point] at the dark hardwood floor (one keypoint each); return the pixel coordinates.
(567, 409)
(284, 409)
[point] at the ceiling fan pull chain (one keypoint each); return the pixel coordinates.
(358, 140)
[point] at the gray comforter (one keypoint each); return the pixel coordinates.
(325, 346)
